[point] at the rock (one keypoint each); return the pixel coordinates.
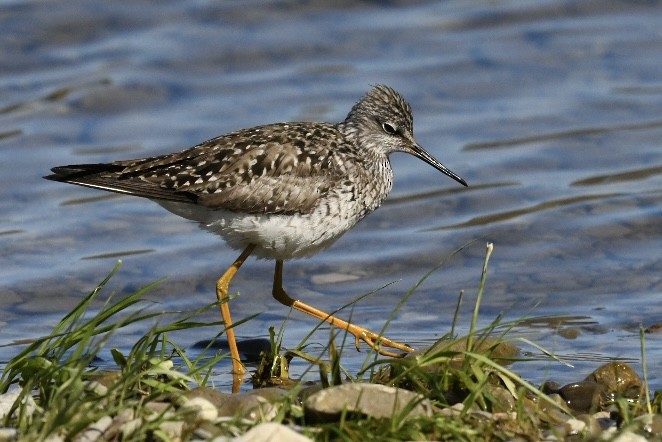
(656, 425)
(650, 423)
(8, 434)
(200, 409)
(583, 397)
(546, 411)
(604, 420)
(593, 427)
(271, 432)
(117, 428)
(96, 388)
(158, 408)
(204, 431)
(574, 426)
(497, 350)
(129, 427)
(247, 406)
(550, 387)
(8, 399)
(454, 410)
(105, 377)
(173, 429)
(377, 401)
(628, 436)
(655, 328)
(250, 349)
(502, 400)
(7, 402)
(209, 394)
(253, 405)
(569, 333)
(309, 390)
(271, 394)
(95, 431)
(617, 379)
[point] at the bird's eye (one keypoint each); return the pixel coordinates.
(389, 129)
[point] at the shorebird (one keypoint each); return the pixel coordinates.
(278, 191)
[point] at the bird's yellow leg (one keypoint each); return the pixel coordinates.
(222, 294)
(371, 338)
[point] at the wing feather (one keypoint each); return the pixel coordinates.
(275, 169)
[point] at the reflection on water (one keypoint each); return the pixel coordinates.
(550, 111)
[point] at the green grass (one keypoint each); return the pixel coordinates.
(59, 392)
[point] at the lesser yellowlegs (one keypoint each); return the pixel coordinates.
(279, 191)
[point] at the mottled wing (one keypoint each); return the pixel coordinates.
(281, 168)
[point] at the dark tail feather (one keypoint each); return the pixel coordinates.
(106, 177)
(74, 172)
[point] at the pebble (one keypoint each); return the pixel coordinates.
(8, 399)
(129, 427)
(628, 436)
(96, 387)
(120, 420)
(8, 434)
(502, 400)
(593, 426)
(271, 432)
(207, 408)
(377, 401)
(200, 409)
(574, 426)
(454, 410)
(617, 378)
(95, 431)
(651, 424)
(583, 396)
(173, 429)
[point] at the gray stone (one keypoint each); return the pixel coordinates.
(215, 397)
(8, 434)
(253, 405)
(272, 432)
(95, 431)
(172, 429)
(199, 409)
(373, 400)
(250, 407)
(628, 436)
(8, 399)
(270, 393)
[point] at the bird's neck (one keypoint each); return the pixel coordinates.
(378, 181)
(371, 163)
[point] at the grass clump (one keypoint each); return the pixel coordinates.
(59, 392)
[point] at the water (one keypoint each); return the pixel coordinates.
(551, 111)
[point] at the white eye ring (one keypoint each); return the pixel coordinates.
(389, 129)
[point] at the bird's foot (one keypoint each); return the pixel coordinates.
(378, 342)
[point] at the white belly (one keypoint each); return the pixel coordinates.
(275, 236)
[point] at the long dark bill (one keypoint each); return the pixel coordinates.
(421, 153)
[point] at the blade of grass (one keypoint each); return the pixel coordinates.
(483, 278)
